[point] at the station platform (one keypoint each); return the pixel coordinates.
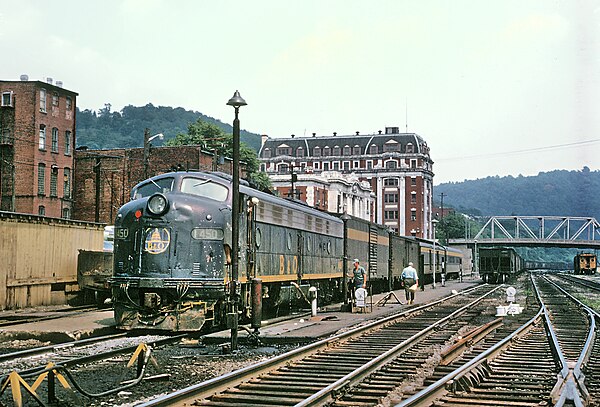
(298, 329)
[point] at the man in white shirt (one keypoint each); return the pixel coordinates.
(410, 278)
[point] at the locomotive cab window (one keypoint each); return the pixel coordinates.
(162, 185)
(205, 188)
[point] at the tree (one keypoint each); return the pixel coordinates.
(212, 138)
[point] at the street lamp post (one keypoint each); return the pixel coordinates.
(476, 260)
(345, 218)
(434, 223)
(236, 101)
(147, 140)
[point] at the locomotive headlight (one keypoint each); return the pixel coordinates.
(158, 204)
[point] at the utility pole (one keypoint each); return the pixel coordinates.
(146, 151)
(442, 195)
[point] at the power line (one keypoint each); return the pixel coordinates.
(524, 151)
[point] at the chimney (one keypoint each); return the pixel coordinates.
(293, 135)
(24, 77)
(59, 84)
(314, 134)
(263, 139)
(357, 133)
(49, 80)
(379, 131)
(334, 133)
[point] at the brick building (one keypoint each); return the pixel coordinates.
(104, 178)
(37, 138)
(397, 166)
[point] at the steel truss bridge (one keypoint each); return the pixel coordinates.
(540, 231)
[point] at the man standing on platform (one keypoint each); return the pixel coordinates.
(359, 275)
(410, 280)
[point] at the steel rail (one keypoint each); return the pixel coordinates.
(218, 384)
(358, 375)
(43, 349)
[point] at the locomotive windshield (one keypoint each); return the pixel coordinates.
(205, 188)
(162, 185)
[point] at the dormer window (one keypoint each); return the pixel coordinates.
(356, 150)
(299, 152)
(409, 148)
(326, 151)
(284, 150)
(391, 145)
(267, 153)
(373, 149)
(317, 151)
(346, 150)
(336, 150)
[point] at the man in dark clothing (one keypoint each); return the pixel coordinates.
(359, 275)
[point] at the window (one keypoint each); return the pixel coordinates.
(69, 103)
(392, 164)
(390, 182)
(413, 164)
(336, 166)
(356, 164)
(316, 165)
(336, 150)
(346, 165)
(413, 181)
(373, 149)
(409, 148)
(66, 213)
(163, 185)
(326, 151)
(53, 181)
(369, 165)
(7, 99)
(204, 188)
(54, 140)
(283, 169)
(42, 210)
(299, 152)
(67, 142)
(67, 184)
(391, 145)
(413, 214)
(267, 153)
(390, 215)
(42, 141)
(346, 150)
(55, 99)
(413, 197)
(285, 150)
(390, 198)
(356, 150)
(43, 100)
(325, 166)
(317, 151)
(41, 179)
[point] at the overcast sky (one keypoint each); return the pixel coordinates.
(494, 87)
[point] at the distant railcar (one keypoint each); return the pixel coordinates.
(497, 265)
(448, 261)
(585, 263)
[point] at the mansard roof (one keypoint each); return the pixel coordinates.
(364, 141)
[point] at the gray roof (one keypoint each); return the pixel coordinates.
(363, 141)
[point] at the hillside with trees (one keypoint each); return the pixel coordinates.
(105, 128)
(559, 193)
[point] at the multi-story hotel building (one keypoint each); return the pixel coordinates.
(37, 139)
(394, 167)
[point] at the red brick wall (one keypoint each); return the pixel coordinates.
(26, 154)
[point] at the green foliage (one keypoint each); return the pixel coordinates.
(456, 226)
(559, 193)
(212, 138)
(125, 129)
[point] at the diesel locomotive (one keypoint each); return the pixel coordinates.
(172, 253)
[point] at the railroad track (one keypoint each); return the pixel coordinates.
(317, 373)
(522, 369)
(16, 319)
